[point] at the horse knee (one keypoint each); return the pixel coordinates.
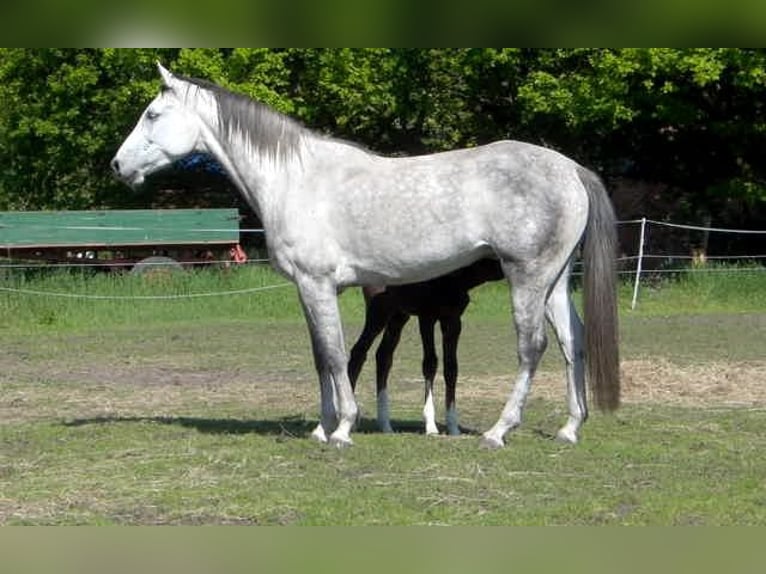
(532, 346)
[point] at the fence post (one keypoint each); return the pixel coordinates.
(639, 263)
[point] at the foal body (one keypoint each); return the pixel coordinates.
(442, 300)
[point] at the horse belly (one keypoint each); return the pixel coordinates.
(411, 252)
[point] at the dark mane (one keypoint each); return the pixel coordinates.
(267, 130)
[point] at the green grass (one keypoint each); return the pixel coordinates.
(647, 466)
(79, 301)
(197, 411)
(714, 289)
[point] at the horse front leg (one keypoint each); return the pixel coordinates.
(338, 406)
(328, 399)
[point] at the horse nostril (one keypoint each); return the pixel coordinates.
(116, 166)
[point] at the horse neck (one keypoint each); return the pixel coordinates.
(259, 176)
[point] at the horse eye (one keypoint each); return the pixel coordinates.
(151, 115)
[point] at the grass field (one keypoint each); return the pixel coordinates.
(197, 411)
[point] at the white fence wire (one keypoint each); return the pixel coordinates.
(639, 264)
(698, 258)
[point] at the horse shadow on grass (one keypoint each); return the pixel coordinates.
(284, 427)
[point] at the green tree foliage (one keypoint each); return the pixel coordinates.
(690, 118)
(62, 114)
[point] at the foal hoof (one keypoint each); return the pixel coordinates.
(491, 442)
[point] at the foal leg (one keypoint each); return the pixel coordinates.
(562, 315)
(451, 327)
(384, 358)
(376, 318)
(429, 366)
(528, 298)
(320, 305)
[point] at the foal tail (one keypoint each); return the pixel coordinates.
(600, 295)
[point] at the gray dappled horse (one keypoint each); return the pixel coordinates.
(337, 215)
(441, 300)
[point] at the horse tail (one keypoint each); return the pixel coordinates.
(600, 295)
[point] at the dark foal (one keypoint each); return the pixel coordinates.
(441, 300)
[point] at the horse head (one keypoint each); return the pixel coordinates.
(167, 130)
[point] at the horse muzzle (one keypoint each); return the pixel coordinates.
(133, 179)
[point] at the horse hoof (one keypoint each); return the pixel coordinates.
(432, 431)
(454, 432)
(491, 442)
(340, 442)
(318, 434)
(567, 436)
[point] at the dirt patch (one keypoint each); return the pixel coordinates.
(49, 390)
(37, 391)
(660, 381)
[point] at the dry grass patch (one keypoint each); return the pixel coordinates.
(714, 384)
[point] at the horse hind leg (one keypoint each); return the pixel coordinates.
(429, 366)
(528, 298)
(566, 323)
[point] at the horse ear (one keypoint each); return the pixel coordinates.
(167, 77)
